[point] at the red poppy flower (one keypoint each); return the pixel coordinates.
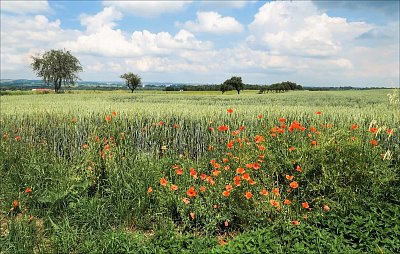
(287, 202)
(354, 126)
(15, 203)
(230, 111)
(373, 130)
(276, 191)
(295, 222)
(274, 203)
(264, 192)
(290, 178)
(114, 113)
(186, 201)
(150, 190)
(202, 188)
(305, 205)
(326, 208)
(163, 181)
(192, 216)
(223, 128)
(314, 143)
(28, 190)
(294, 185)
(292, 148)
(260, 116)
(318, 113)
(226, 193)
(282, 120)
(191, 192)
(374, 142)
(179, 171)
(108, 118)
(174, 187)
(248, 195)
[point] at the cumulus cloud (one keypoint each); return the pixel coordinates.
(299, 28)
(24, 7)
(147, 8)
(213, 22)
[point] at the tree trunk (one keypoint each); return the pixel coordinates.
(238, 91)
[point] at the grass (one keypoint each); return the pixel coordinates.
(156, 172)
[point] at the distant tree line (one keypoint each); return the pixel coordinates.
(281, 87)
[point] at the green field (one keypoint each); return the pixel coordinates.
(179, 172)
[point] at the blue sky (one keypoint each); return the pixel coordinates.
(321, 43)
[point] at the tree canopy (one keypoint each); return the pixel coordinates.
(234, 82)
(132, 80)
(57, 67)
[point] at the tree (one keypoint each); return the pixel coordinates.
(132, 80)
(235, 82)
(224, 88)
(57, 67)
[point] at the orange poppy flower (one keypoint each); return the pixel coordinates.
(389, 131)
(252, 182)
(227, 167)
(292, 148)
(150, 190)
(294, 185)
(240, 170)
(174, 187)
(203, 176)
(226, 193)
(15, 203)
(298, 168)
(108, 118)
(223, 128)
(179, 171)
(287, 202)
(225, 160)
(314, 143)
(215, 206)
(373, 130)
(305, 205)
(282, 120)
(17, 138)
(85, 146)
(264, 192)
(295, 222)
(163, 181)
(374, 142)
(216, 172)
(354, 126)
(230, 111)
(230, 144)
(246, 176)
(202, 189)
(290, 178)
(326, 208)
(260, 116)
(256, 166)
(274, 203)
(276, 191)
(248, 195)
(114, 113)
(318, 113)
(28, 190)
(259, 139)
(191, 192)
(192, 216)
(210, 128)
(228, 187)
(186, 201)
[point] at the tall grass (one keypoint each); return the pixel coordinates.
(118, 172)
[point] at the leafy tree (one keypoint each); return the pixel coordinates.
(132, 80)
(235, 82)
(224, 88)
(57, 67)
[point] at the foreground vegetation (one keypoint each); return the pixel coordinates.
(300, 172)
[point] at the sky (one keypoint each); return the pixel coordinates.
(312, 43)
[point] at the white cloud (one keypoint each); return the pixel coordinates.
(102, 19)
(147, 8)
(213, 22)
(225, 4)
(95, 67)
(298, 28)
(24, 7)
